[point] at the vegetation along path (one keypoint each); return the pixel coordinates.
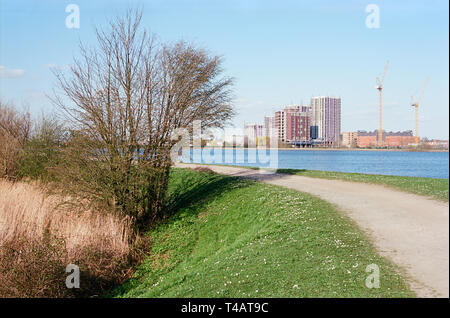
(411, 230)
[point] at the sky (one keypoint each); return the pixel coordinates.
(279, 53)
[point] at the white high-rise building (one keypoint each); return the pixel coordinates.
(253, 132)
(326, 120)
(269, 124)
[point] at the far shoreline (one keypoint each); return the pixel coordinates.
(327, 149)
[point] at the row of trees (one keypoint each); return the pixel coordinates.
(123, 101)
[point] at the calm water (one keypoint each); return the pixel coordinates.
(415, 164)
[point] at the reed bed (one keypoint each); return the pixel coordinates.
(40, 236)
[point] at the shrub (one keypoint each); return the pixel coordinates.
(42, 151)
(33, 268)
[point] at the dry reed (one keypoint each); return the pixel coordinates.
(39, 237)
(26, 212)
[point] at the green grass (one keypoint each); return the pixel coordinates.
(230, 237)
(431, 187)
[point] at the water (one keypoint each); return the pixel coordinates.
(399, 163)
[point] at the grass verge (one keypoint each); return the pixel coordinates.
(437, 189)
(230, 237)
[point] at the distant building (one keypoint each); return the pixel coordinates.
(314, 132)
(326, 116)
(436, 143)
(279, 124)
(399, 141)
(349, 139)
(293, 123)
(253, 132)
(366, 141)
(269, 124)
(298, 123)
(390, 138)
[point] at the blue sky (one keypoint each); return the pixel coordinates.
(279, 52)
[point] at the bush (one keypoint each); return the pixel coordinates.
(33, 268)
(42, 151)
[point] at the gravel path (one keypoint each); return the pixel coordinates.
(409, 229)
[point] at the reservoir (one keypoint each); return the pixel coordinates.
(399, 163)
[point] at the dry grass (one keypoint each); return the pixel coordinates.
(26, 212)
(40, 237)
(203, 169)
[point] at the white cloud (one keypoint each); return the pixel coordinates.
(50, 65)
(10, 72)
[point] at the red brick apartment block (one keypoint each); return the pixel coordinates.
(366, 141)
(399, 141)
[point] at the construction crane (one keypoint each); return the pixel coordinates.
(379, 87)
(415, 104)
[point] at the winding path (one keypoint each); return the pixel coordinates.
(411, 230)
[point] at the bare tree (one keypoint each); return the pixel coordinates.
(127, 96)
(15, 128)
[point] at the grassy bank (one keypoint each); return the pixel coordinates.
(431, 187)
(230, 237)
(437, 189)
